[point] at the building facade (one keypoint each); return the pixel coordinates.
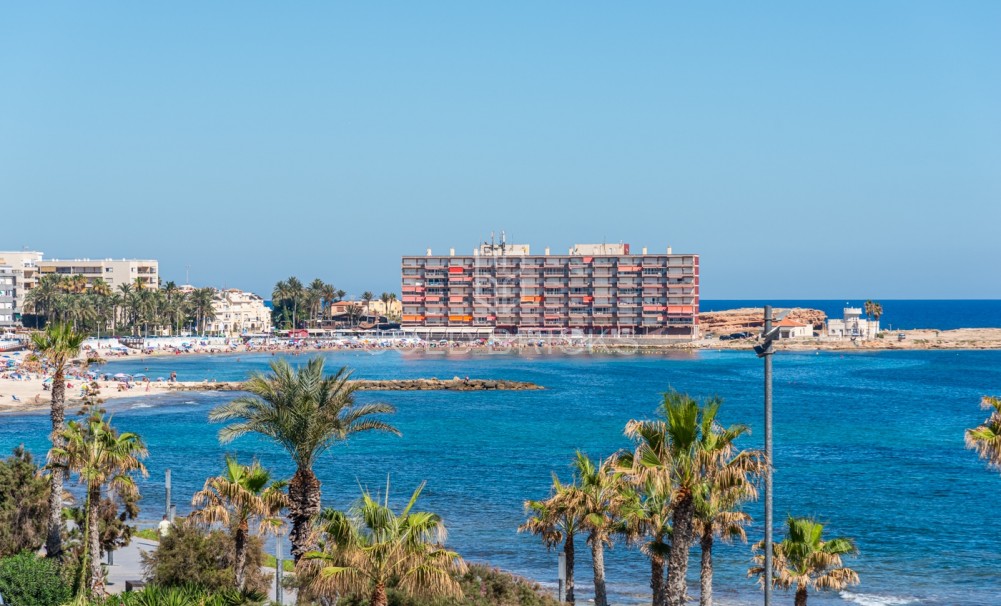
(114, 272)
(8, 296)
(24, 267)
(853, 325)
(238, 313)
(593, 289)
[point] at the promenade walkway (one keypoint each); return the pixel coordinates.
(128, 567)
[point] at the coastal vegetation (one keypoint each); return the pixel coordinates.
(305, 412)
(297, 305)
(135, 309)
(101, 457)
(57, 345)
(372, 547)
(985, 439)
(241, 494)
(684, 480)
(803, 560)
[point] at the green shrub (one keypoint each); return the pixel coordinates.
(187, 595)
(27, 580)
(24, 504)
(192, 555)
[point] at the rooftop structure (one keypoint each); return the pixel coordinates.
(594, 289)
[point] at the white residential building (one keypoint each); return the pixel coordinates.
(24, 267)
(8, 296)
(791, 329)
(238, 312)
(854, 325)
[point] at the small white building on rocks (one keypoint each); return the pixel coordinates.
(791, 329)
(853, 326)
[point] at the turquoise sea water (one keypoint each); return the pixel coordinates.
(870, 443)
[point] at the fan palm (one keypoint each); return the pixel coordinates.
(603, 499)
(649, 469)
(557, 519)
(242, 493)
(57, 345)
(306, 413)
(804, 560)
(101, 457)
(985, 439)
(374, 547)
(729, 480)
(681, 448)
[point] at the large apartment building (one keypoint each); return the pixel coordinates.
(8, 296)
(593, 289)
(114, 272)
(24, 268)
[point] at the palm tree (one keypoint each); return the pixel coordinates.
(101, 457)
(314, 298)
(680, 448)
(804, 560)
(557, 519)
(367, 297)
(306, 413)
(985, 439)
(354, 312)
(649, 520)
(240, 494)
(202, 306)
(374, 546)
(340, 295)
(57, 345)
(648, 468)
(729, 480)
(296, 295)
(603, 499)
(328, 297)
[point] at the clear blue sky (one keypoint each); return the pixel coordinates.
(804, 150)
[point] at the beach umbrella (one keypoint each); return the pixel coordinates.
(49, 380)
(121, 375)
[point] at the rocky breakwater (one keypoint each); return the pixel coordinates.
(432, 384)
(744, 319)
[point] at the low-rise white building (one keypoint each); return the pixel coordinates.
(238, 312)
(791, 329)
(853, 326)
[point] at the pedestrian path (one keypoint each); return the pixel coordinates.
(128, 567)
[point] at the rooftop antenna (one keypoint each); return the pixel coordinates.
(503, 240)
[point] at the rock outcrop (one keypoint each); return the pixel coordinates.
(750, 319)
(433, 384)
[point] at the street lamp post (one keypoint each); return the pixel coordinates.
(766, 350)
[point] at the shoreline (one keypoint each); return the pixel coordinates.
(31, 395)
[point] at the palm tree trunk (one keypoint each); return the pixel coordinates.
(54, 537)
(598, 563)
(706, 571)
(681, 544)
(240, 553)
(304, 493)
(568, 551)
(379, 595)
(801, 596)
(96, 580)
(657, 579)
